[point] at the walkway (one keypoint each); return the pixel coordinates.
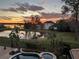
(4, 54)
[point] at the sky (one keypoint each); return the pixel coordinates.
(47, 6)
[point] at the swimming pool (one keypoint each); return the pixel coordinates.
(33, 55)
(25, 56)
(48, 55)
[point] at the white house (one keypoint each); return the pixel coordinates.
(48, 24)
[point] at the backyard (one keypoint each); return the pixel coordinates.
(57, 37)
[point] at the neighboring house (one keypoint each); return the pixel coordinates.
(48, 24)
(53, 27)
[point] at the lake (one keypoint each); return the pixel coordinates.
(5, 33)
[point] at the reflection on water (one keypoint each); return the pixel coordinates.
(21, 34)
(6, 33)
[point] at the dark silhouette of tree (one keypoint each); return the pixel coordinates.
(73, 7)
(27, 27)
(61, 25)
(33, 25)
(14, 37)
(35, 22)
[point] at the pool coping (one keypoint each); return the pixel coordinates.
(39, 54)
(25, 52)
(53, 55)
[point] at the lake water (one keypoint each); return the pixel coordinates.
(5, 33)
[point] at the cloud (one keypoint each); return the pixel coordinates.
(30, 7)
(9, 9)
(5, 17)
(23, 7)
(35, 8)
(49, 15)
(52, 15)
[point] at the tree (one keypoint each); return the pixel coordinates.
(14, 37)
(32, 25)
(73, 7)
(61, 25)
(27, 27)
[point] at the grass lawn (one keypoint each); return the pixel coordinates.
(67, 37)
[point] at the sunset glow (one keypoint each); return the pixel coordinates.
(17, 11)
(21, 20)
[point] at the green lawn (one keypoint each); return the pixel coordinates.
(68, 37)
(65, 36)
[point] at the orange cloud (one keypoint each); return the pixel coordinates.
(12, 20)
(21, 19)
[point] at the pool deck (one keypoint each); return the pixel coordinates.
(4, 54)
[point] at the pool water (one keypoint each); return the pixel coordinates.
(47, 56)
(26, 56)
